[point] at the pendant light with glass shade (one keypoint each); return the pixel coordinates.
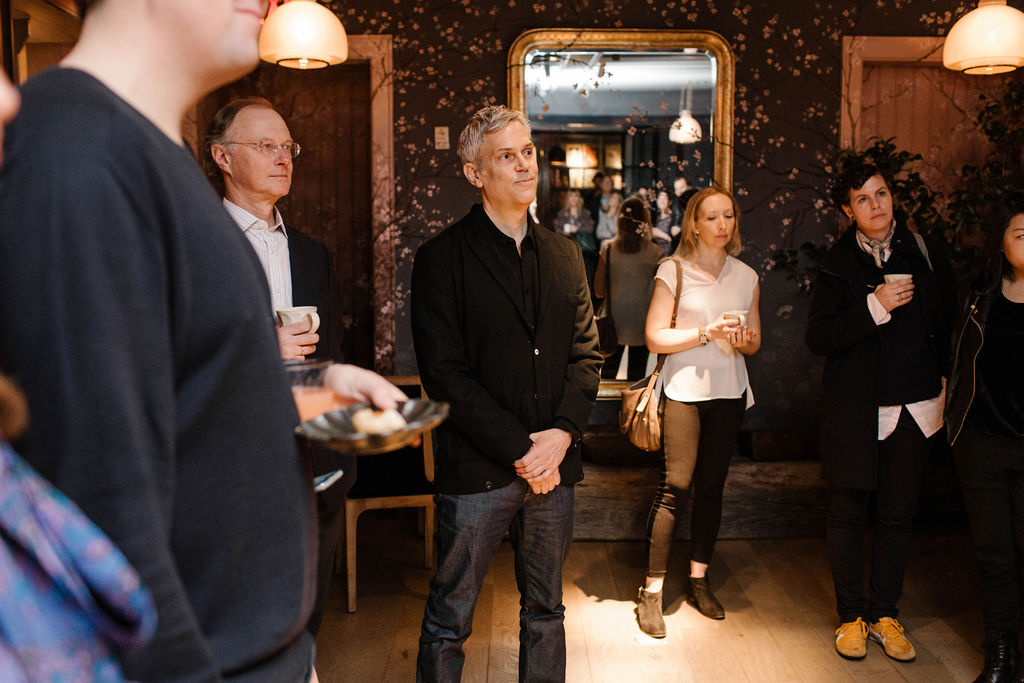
(685, 130)
(301, 34)
(986, 40)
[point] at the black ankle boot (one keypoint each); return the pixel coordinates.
(703, 599)
(648, 613)
(1001, 657)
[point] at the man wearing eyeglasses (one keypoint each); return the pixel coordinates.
(249, 147)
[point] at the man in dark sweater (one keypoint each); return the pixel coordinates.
(136, 320)
(505, 333)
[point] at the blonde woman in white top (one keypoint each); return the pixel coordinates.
(705, 389)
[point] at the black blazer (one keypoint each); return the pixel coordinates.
(840, 327)
(313, 285)
(475, 351)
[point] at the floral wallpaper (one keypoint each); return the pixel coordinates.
(449, 59)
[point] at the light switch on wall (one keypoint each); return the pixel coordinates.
(441, 137)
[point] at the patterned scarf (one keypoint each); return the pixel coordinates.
(876, 247)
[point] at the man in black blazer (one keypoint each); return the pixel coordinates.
(249, 144)
(504, 332)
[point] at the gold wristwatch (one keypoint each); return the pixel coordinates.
(702, 334)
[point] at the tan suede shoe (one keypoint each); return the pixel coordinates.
(889, 633)
(852, 638)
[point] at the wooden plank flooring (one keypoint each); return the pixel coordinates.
(777, 594)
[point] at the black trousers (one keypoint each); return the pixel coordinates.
(699, 440)
(901, 459)
(991, 472)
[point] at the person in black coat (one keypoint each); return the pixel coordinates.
(985, 427)
(881, 313)
(504, 332)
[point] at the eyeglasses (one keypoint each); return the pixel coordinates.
(268, 148)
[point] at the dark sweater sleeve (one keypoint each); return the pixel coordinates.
(93, 349)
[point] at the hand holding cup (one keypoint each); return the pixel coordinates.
(896, 291)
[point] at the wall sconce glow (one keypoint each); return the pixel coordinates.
(301, 34)
(986, 40)
(685, 130)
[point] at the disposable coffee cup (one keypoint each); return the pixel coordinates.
(896, 277)
(287, 316)
(741, 316)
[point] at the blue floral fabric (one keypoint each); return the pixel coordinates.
(69, 600)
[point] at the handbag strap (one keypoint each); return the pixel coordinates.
(675, 309)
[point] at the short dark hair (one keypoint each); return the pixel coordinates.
(219, 125)
(994, 266)
(851, 176)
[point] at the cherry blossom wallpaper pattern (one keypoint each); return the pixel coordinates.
(449, 58)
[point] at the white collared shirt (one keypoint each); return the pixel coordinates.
(927, 413)
(271, 246)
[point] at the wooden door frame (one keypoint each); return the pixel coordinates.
(377, 51)
(861, 51)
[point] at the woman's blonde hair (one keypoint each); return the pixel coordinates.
(688, 242)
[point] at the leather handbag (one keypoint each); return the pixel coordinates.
(608, 339)
(642, 408)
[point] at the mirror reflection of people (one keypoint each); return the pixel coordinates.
(706, 391)
(985, 426)
(607, 218)
(143, 341)
(626, 266)
(505, 333)
(885, 347)
(666, 222)
(575, 222)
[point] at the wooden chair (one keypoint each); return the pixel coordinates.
(363, 497)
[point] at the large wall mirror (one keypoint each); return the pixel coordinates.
(640, 108)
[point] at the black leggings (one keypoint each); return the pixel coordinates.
(699, 439)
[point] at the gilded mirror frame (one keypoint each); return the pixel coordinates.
(640, 40)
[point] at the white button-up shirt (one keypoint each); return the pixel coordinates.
(927, 413)
(271, 245)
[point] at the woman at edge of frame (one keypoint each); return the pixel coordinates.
(705, 388)
(883, 303)
(985, 427)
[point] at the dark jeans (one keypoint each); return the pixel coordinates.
(329, 506)
(991, 470)
(636, 366)
(469, 529)
(699, 438)
(901, 459)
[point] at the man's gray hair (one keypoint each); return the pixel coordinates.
(484, 121)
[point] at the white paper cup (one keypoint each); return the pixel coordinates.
(896, 277)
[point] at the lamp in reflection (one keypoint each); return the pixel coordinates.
(986, 40)
(302, 34)
(685, 130)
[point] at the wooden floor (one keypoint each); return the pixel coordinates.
(777, 595)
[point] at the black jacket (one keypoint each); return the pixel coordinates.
(961, 385)
(840, 327)
(475, 351)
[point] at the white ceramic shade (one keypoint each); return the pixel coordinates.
(986, 40)
(301, 34)
(685, 130)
